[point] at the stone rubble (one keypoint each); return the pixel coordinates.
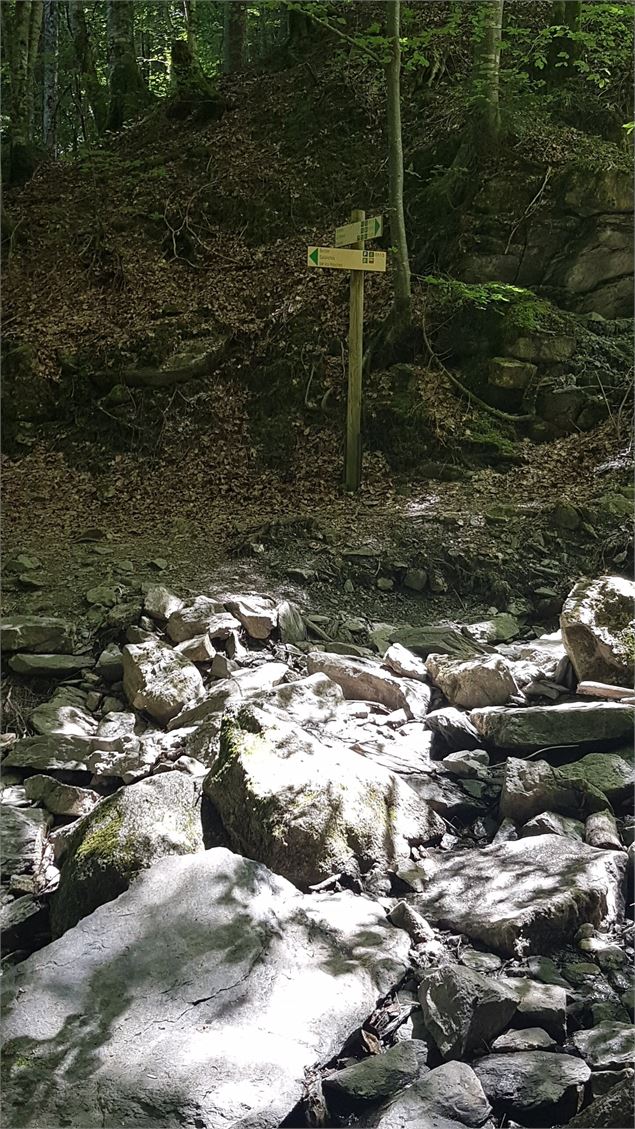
(456, 822)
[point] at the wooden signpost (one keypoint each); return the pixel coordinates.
(357, 261)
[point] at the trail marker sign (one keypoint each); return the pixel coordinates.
(363, 229)
(357, 260)
(339, 259)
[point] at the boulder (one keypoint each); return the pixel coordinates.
(548, 823)
(110, 663)
(609, 773)
(158, 680)
(526, 1039)
(609, 1046)
(528, 912)
(454, 728)
(50, 666)
(40, 633)
(499, 629)
(124, 835)
(22, 839)
(50, 754)
(533, 786)
(160, 603)
(365, 680)
(199, 649)
(310, 810)
(60, 799)
(615, 1110)
(463, 1010)
(600, 830)
(201, 617)
(204, 955)
(589, 724)
(469, 764)
(535, 1087)
(258, 616)
(449, 1097)
(487, 680)
(598, 629)
(505, 372)
(21, 920)
(311, 701)
(376, 1077)
(63, 714)
(402, 661)
(291, 625)
(538, 1005)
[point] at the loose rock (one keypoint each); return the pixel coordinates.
(597, 629)
(535, 1086)
(158, 680)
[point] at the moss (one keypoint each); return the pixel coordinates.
(103, 842)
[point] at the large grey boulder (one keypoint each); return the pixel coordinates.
(366, 680)
(598, 629)
(64, 714)
(538, 1005)
(463, 1010)
(590, 724)
(447, 1098)
(535, 1087)
(524, 896)
(198, 998)
(42, 633)
(257, 615)
(124, 834)
(609, 1046)
(609, 773)
(58, 798)
(202, 616)
(487, 680)
(307, 809)
(376, 1077)
(52, 753)
(158, 680)
(533, 786)
(615, 1110)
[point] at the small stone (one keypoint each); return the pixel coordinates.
(580, 973)
(550, 823)
(159, 563)
(415, 579)
(105, 595)
(527, 1039)
(385, 584)
(110, 663)
(158, 680)
(27, 580)
(200, 649)
(462, 1010)
(600, 830)
(93, 701)
(481, 962)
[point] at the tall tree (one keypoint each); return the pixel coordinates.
(127, 90)
(35, 33)
(234, 35)
(395, 165)
(565, 14)
(85, 58)
(488, 51)
(50, 50)
(21, 30)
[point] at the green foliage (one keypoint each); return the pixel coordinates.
(521, 306)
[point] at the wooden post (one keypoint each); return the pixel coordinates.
(353, 475)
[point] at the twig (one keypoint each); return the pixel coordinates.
(530, 207)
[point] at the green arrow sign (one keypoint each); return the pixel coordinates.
(363, 229)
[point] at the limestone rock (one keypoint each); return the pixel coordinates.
(314, 810)
(376, 1077)
(528, 914)
(160, 603)
(609, 773)
(50, 753)
(600, 830)
(454, 727)
(609, 1046)
(158, 680)
(50, 666)
(364, 679)
(533, 786)
(64, 714)
(505, 372)
(22, 839)
(487, 680)
(20, 921)
(526, 1039)
(202, 616)
(468, 764)
(463, 1010)
(110, 663)
(199, 649)
(449, 1097)
(40, 633)
(258, 616)
(614, 1110)
(548, 823)
(536, 1087)
(291, 625)
(202, 954)
(567, 723)
(402, 661)
(538, 1004)
(60, 799)
(126, 834)
(597, 629)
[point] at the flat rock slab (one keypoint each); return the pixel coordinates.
(524, 896)
(365, 680)
(22, 837)
(36, 633)
(50, 754)
(609, 1046)
(197, 998)
(589, 724)
(537, 1087)
(50, 666)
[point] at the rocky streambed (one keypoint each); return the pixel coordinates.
(257, 877)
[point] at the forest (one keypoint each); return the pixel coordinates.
(317, 777)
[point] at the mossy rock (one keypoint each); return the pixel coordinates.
(123, 835)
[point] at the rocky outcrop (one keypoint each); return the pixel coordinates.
(598, 630)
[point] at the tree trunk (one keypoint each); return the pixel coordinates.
(128, 92)
(395, 167)
(95, 90)
(21, 155)
(234, 34)
(35, 32)
(487, 131)
(193, 29)
(568, 14)
(51, 33)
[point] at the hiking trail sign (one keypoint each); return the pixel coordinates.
(357, 260)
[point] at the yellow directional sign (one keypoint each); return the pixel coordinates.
(363, 229)
(339, 259)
